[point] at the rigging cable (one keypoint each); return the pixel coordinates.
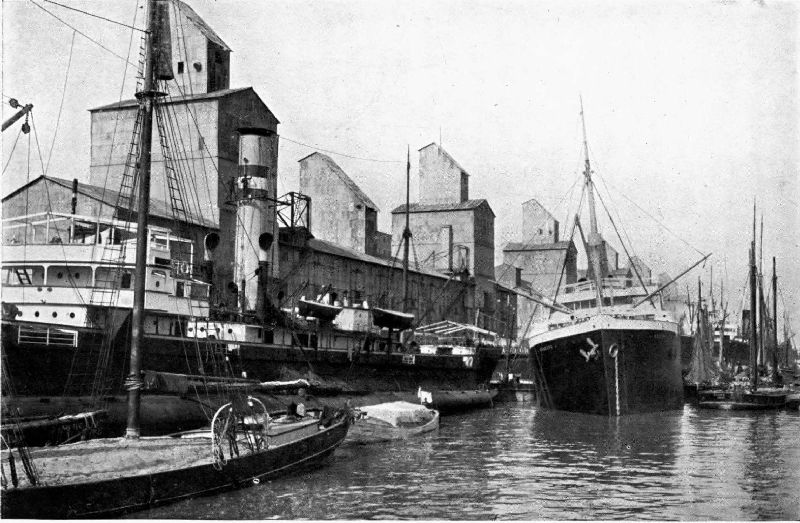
(654, 218)
(95, 16)
(13, 147)
(61, 105)
(80, 32)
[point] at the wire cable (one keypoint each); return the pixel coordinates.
(61, 105)
(95, 16)
(81, 33)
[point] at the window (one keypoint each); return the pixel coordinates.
(126, 280)
(180, 67)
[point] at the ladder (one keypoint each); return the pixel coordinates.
(23, 276)
(89, 367)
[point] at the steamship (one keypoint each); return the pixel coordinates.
(68, 278)
(607, 347)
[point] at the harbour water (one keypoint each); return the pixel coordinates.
(517, 462)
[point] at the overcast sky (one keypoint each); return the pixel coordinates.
(691, 107)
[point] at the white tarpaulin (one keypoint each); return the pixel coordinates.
(398, 412)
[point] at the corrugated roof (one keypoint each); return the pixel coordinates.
(109, 197)
(519, 246)
(201, 24)
(355, 189)
(174, 99)
(337, 250)
(442, 207)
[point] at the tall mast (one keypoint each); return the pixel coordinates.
(146, 99)
(774, 320)
(753, 328)
(406, 231)
(587, 173)
(593, 241)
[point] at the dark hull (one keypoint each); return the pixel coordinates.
(118, 496)
(738, 400)
(644, 377)
(38, 371)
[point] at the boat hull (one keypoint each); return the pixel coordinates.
(368, 430)
(611, 371)
(118, 496)
(40, 371)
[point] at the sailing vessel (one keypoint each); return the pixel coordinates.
(607, 347)
(112, 476)
(751, 398)
(69, 285)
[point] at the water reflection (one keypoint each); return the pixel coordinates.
(514, 462)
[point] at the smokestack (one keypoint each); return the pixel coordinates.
(255, 217)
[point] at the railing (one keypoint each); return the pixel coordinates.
(609, 283)
(47, 336)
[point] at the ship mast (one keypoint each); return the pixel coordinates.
(406, 232)
(147, 97)
(594, 239)
(753, 327)
(774, 321)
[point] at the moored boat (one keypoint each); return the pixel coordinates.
(607, 346)
(107, 477)
(392, 421)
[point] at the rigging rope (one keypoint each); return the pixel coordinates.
(95, 16)
(61, 105)
(80, 32)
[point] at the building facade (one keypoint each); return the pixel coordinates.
(341, 212)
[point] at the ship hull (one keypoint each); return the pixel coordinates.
(611, 370)
(41, 370)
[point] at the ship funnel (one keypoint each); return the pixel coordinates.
(256, 185)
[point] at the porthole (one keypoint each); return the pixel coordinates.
(202, 329)
(55, 315)
(36, 314)
(230, 331)
(77, 276)
(191, 329)
(158, 284)
(71, 314)
(60, 275)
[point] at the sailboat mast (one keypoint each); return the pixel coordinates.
(753, 328)
(406, 231)
(146, 99)
(774, 319)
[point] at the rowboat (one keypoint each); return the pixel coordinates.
(392, 421)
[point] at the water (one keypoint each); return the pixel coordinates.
(517, 462)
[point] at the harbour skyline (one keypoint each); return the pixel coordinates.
(691, 109)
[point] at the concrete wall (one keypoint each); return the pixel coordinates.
(542, 266)
(441, 179)
(470, 232)
(199, 65)
(339, 214)
(111, 134)
(538, 225)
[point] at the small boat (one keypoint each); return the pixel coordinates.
(743, 400)
(390, 319)
(112, 476)
(318, 309)
(449, 401)
(392, 421)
